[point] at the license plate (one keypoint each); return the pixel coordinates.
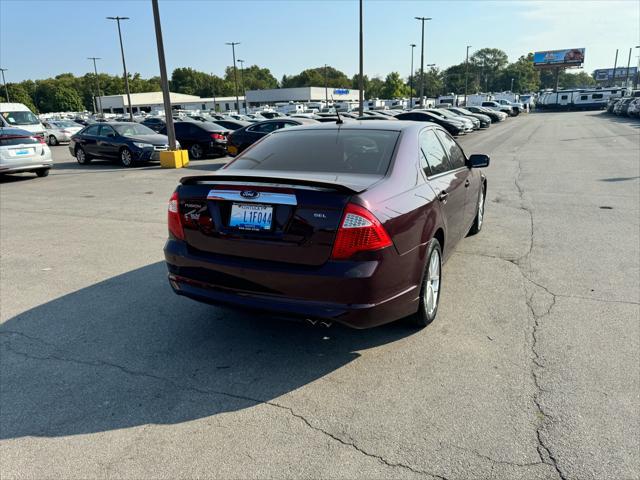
(26, 151)
(246, 216)
(232, 150)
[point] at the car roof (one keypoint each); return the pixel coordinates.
(394, 125)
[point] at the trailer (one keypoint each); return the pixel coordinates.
(476, 99)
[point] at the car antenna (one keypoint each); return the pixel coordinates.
(339, 121)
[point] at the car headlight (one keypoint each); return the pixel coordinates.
(142, 145)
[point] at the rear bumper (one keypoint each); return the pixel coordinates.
(25, 167)
(357, 294)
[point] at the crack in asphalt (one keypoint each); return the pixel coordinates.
(173, 383)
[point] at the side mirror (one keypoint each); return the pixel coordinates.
(479, 160)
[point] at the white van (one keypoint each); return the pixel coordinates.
(17, 115)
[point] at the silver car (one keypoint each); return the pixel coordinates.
(58, 131)
(22, 151)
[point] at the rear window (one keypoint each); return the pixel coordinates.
(335, 151)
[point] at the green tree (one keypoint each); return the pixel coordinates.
(394, 87)
(526, 78)
(315, 77)
(254, 78)
(18, 94)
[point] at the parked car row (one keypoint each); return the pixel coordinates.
(625, 106)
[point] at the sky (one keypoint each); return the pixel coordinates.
(43, 38)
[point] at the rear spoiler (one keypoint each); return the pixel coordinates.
(215, 179)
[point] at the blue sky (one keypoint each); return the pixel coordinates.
(39, 39)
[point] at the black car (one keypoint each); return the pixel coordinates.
(485, 120)
(154, 123)
(451, 126)
(200, 138)
(125, 142)
(232, 124)
(240, 139)
(492, 114)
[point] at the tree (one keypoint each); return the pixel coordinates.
(315, 77)
(18, 94)
(526, 78)
(394, 86)
(487, 64)
(254, 77)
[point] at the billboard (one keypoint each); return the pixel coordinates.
(559, 58)
(605, 74)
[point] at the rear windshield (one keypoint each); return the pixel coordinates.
(335, 151)
(133, 129)
(20, 118)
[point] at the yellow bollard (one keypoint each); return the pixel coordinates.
(174, 158)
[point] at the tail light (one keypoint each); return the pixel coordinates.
(174, 221)
(359, 231)
(218, 136)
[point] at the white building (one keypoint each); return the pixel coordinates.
(258, 98)
(149, 101)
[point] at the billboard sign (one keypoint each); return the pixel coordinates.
(605, 74)
(559, 58)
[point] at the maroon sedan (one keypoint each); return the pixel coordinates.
(348, 223)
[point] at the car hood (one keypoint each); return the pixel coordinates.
(157, 139)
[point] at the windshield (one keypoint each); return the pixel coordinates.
(133, 130)
(20, 118)
(335, 151)
(66, 124)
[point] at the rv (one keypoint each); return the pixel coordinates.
(451, 100)
(290, 108)
(476, 99)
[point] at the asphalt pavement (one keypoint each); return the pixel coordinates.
(530, 371)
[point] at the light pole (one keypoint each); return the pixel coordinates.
(422, 19)
(124, 65)
(428, 65)
(466, 75)
(412, 45)
(166, 98)
(326, 88)
(361, 79)
(511, 90)
(626, 80)
(244, 91)
(635, 83)
(235, 71)
(6, 92)
(95, 69)
(615, 64)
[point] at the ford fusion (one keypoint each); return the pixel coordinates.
(348, 223)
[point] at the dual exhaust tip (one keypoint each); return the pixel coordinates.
(319, 323)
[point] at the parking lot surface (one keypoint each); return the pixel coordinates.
(530, 370)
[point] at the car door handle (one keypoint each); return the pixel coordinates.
(466, 183)
(442, 196)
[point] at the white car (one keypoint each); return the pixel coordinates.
(57, 131)
(23, 151)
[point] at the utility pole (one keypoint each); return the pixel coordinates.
(466, 75)
(244, 91)
(95, 69)
(615, 64)
(626, 80)
(166, 98)
(428, 65)
(124, 65)
(635, 83)
(6, 92)
(235, 71)
(361, 79)
(422, 19)
(214, 92)
(326, 88)
(412, 45)
(511, 90)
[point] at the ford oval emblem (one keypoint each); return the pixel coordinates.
(249, 194)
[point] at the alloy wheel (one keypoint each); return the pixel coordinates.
(432, 287)
(125, 157)
(196, 151)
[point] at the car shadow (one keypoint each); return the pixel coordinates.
(100, 166)
(632, 121)
(16, 177)
(127, 352)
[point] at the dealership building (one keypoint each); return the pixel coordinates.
(150, 101)
(259, 98)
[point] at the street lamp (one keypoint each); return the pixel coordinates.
(422, 19)
(124, 65)
(95, 69)
(326, 88)
(235, 71)
(412, 45)
(244, 91)
(466, 75)
(635, 84)
(429, 65)
(511, 90)
(6, 92)
(361, 79)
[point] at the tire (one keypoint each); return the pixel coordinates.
(53, 141)
(126, 158)
(196, 152)
(82, 157)
(431, 280)
(42, 172)
(479, 220)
